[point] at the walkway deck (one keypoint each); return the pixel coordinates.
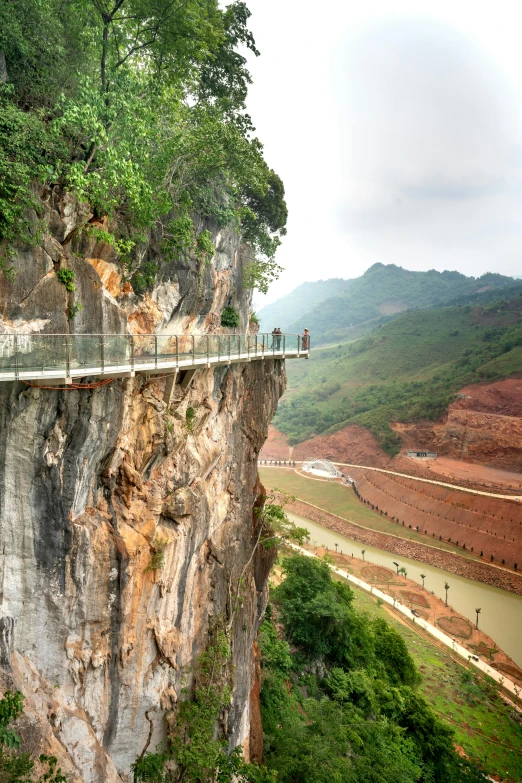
(59, 358)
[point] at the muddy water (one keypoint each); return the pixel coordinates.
(501, 616)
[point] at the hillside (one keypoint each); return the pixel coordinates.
(305, 297)
(360, 305)
(408, 370)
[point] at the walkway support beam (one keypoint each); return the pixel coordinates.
(169, 387)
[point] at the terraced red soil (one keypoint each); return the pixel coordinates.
(466, 520)
(445, 466)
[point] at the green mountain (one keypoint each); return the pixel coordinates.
(379, 294)
(407, 370)
(302, 299)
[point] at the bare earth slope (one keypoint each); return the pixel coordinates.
(483, 425)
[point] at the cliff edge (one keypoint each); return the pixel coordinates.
(126, 523)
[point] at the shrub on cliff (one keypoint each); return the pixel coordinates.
(17, 766)
(230, 317)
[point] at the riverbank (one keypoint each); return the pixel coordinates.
(455, 564)
(510, 685)
(407, 594)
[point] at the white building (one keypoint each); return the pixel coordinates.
(321, 467)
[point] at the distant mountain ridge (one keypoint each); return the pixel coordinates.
(335, 309)
(305, 297)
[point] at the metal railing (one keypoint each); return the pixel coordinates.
(41, 355)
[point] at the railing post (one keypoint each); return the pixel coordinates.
(264, 345)
(156, 351)
(298, 344)
(17, 370)
(255, 343)
(132, 352)
(177, 352)
(102, 354)
(67, 357)
(229, 349)
(284, 345)
(273, 345)
(193, 349)
(247, 339)
(219, 347)
(208, 351)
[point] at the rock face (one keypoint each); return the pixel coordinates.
(123, 529)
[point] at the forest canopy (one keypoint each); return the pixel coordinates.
(138, 107)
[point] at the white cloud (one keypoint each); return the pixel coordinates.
(397, 130)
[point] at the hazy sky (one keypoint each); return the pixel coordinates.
(397, 129)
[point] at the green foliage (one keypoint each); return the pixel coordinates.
(273, 524)
(408, 370)
(198, 750)
(190, 417)
(344, 705)
(74, 309)
(16, 766)
(11, 707)
(66, 277)
(139, 108)
(254, 319)
(181, 237)
(25, 157)
(157, 559)
(230, 317)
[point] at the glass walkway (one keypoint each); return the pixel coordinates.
(59, 358)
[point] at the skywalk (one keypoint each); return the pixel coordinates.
(60, 358)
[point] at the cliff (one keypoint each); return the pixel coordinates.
(126, 524)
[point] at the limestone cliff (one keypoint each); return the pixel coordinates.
(97, 485)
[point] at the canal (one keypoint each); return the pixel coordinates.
(501, 615)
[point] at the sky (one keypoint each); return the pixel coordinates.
(396, 127)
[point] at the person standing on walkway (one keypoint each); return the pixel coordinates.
(305, 341)
(274, 338)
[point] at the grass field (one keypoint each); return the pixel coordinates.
(339, 500)
(484, 724)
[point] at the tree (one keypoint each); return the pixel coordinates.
(144, 119)
(402, 570)
(423, 577)
(446, 588)
(477, 612)
(363, 552)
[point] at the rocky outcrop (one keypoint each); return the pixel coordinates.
(483, 426)
(124, 530)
